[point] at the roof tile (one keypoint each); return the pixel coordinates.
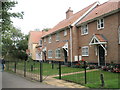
(102, 9)
(66, 22)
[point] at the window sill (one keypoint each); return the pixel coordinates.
(49, 57)
(84, 34)
(58, 57)
(85, 55)
(100, 28)
(57, 40)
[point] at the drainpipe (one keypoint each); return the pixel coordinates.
(70, 27)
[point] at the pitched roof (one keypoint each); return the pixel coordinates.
(102, 9)
(100, 37)
(66, 22)
(35, 36)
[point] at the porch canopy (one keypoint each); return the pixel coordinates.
(99, 39)
(65, 46)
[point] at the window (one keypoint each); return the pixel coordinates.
(57, 37)
(65, 32)
(84, 29)
(49, 53)
(100, 24)
(40, 42)
(49, 39)
(58, 53)
(85, 51)
(44, 39)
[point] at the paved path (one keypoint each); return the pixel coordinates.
(14, 81)
(74, 73)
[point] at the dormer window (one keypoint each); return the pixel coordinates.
(100, 24)
(49, 39)
(84, 29)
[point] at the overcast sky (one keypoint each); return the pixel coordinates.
(39, 14)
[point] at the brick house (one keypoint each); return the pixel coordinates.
(58, 43)
(99, 34)
(92, 34)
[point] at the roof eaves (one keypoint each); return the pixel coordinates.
(55, 32)
(104, 15)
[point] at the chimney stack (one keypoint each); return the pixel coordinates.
(69, 13)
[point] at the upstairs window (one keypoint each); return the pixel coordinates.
(58, 53)
(49, 39)
(40, 42)
(57, 37)
(65, 32)
(100, 24)
(44, 39)
(84, 30)
(85, 51)
(49, 53)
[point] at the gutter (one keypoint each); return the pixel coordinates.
(70, 27)
(104, 15)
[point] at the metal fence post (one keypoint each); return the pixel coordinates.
(59, 70)
(24, 68)
(102, 79)
(40, 71)
(52, 65)
(31, 68)
(85, 72)
(15, 67)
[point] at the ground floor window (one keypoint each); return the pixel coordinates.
(58, 53)
(85, 51)
(49, 53)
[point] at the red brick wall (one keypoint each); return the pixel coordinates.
(54, 45)
(110, 31)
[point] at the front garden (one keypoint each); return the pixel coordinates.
(110, 72)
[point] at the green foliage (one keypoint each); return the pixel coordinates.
(46, 29)
(7, 15)
(14, 43)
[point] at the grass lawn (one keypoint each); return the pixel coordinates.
(47, 69)
(93, 79)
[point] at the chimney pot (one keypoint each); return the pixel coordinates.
(69, 13)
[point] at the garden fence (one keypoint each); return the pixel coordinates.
(87, 75)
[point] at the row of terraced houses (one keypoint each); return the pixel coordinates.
(92, 34)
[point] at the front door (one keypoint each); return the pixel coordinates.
(44, 53)
(65, 55)
(101, 56)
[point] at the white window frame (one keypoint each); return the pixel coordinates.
(50, 53)
(49, 39)
(57, 37)
(99, 24)
(58, 53)
(44, 39)
(84, 52)
(83, 29)
(65, 32)
(40, 42)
